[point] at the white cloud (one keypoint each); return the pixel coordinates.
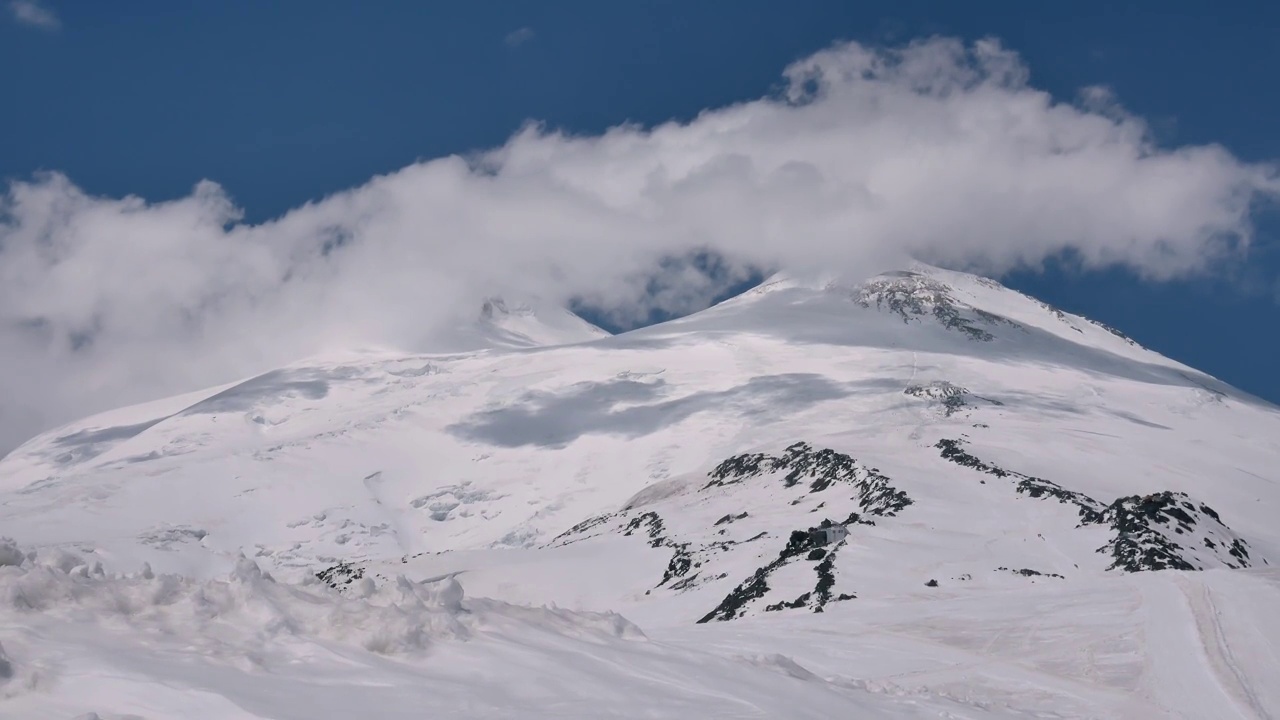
(516, 38)
(935, 150)
(30, 12)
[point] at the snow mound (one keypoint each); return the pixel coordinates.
(248, 616)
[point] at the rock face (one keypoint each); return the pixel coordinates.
(1169, 530)
(341, 575)
(754, 519)
(822, 469)
(913, 296)
(1161, 531)
(948, 397)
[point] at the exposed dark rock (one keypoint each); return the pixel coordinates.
(1028, 572)
(683, 584)
(822, 468)
(1239, 550)
(1089, 509)
(582, 527)
(649, 523)
(730, 518)
(797, 603)
(795, 475)
(341, 575)
(826, 581)
(1055, 311)
(1115, 332)
(951, 451)
(913, 295)
(738, 468)
(1144, 526)
(681, 563)
(952, 397)
(931, 583)
(818, 598)
(800, 543)
(735, 602)
(856, 519)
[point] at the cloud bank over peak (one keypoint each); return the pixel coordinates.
(866, 157)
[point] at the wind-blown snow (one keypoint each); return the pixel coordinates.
(1009, 476)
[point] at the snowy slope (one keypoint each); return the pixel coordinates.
(1006, 473)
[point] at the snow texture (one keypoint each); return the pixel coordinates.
(923, 496)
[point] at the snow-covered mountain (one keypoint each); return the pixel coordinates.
(922, 495)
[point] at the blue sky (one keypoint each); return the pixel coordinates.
(284, 103)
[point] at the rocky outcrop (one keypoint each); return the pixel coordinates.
(913, 296)
(1162, 531)
(341, 575)
(747, 503)
(802, 546)
(821, 469)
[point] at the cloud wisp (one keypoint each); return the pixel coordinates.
(34, 14)
(936, 150)
(519, 37)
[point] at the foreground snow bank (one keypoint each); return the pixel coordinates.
(247, 614)
(81, 642)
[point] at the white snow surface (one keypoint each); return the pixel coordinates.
(538, 528)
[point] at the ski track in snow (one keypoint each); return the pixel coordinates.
(1217, 650)
(1182, 621)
